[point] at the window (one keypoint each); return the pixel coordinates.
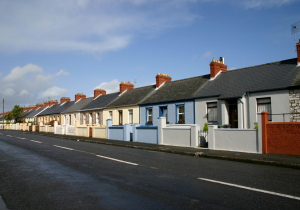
(84, 119)
(90, 118)
(180, 114)
(97, 118)
(65, 119)
(149, 116)
(69, 119)
(212, 114)
(130, 116)
(74, 119)
(111, 116)
(120, 117)
(264, 105)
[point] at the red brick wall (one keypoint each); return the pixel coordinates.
(280, 137)
(283, 138)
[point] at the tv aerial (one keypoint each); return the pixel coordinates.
(295, 28)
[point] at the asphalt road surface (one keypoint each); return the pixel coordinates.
(39, 172)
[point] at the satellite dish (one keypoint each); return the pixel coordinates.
(295, 28)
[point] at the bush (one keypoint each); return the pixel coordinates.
(51, 123)
(256, 126)
(205, 128)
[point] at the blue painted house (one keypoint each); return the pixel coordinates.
(173, 100)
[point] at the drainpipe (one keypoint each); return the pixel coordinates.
(248, 107)
(243, 110)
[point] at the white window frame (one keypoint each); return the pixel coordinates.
(264, 103)
(149, 115)
(74, 119)
(178, 113)
(110, 113)
(65, 119)
(130, 116)
(214, 105)
(97, 118)
(90, 118)
(84, 119)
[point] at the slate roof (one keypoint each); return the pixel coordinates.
(178, 90)
(35, 112)
(77, 106)
(270, 76)
(133, 96)
(26, 113)
(100, 102)
(57, 109)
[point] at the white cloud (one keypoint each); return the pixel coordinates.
(83, 25)
(62, 72)
(23, 92)
(19, 72)
(207, 54)
(28, 85)
(8, 92)
(110, 87)
(232, 68)
(54, 92)
(250, 4)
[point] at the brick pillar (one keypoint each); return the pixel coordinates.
(264, 122)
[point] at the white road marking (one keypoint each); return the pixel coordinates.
(250, 188)
(9, 135)
(1, 134)
(63, 147)
(36, 141)
(22, 138)
(122, 161)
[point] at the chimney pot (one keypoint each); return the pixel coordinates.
(125, 85)
(99, 91)
(79, 96)
(161, 78)
(216, 66)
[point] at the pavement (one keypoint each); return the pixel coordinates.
(287, 161)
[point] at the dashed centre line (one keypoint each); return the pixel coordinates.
(250, 188)
(36, 141)
(63, 147)
(122, 161)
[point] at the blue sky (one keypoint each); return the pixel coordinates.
(59, 48)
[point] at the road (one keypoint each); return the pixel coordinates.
(39, 172)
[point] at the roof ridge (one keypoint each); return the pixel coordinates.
(259, 65)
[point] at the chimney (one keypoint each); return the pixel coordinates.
(51, 102)
(39, 105)
(25, 108)
(298, 52)
(125, 85)
(161, 78)
(31, 107)
(46, 103)
(216, 66)
(64, 99)
(99, 91)
(79, 96)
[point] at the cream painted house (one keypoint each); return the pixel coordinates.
(125, 109)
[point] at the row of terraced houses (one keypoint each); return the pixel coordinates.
(175, 112)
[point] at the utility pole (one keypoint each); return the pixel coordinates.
(3, 113)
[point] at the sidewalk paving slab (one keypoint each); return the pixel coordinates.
(287, 161)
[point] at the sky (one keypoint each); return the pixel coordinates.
(53, 49)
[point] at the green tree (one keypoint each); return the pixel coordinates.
(17, 110)
(8, 117)
(205, 128)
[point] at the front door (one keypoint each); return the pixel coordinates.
(91, 132)
(233, 114)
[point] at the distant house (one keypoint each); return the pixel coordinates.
(125, 108)
(236, 97)
(71, 114)
(31, 117)
(53, 112)
(172, 99)
(92, 113)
